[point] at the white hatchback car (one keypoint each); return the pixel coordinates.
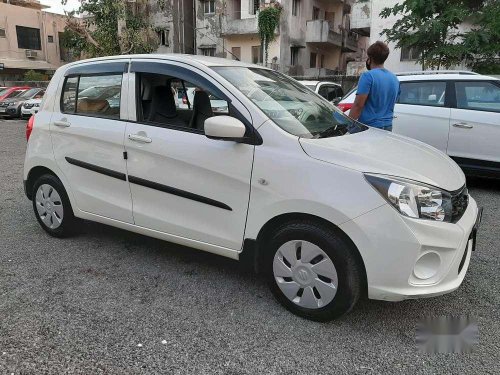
(30, 107)
(456, 112)
(326, 208)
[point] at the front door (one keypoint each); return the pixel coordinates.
(475, 125)
(183, 183)
(422, 112)
(87, 137)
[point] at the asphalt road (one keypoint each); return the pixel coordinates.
(112, 302)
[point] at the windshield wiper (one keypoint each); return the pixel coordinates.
(332, 131)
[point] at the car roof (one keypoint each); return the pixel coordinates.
(200, 59)
(445, 77)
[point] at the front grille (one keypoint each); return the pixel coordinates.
(28, 106)
(459, 203)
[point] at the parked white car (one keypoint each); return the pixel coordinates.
(456, 112)
(30, 107)
(330, 91)
(326, 209)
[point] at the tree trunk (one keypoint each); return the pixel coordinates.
(122, 27)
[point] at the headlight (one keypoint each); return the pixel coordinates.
(414, 199)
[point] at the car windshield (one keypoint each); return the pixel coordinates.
(28, 93)
(289, 104)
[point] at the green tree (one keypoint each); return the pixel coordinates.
(110, 27)
(432, 27)
(268, 21)
(31, 76)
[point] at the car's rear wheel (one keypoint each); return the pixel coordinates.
(52, 207)
(313, 271)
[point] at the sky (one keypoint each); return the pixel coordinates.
(57, 7)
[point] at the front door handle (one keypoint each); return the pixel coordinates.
(62, 123)
(463, 125)
(140, 138)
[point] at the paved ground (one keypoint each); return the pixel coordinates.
(113, 302)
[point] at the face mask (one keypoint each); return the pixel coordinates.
(368, 62)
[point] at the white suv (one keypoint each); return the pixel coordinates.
(326, 208)
(456, 112)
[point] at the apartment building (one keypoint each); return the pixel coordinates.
(313, 38)
(366, 22)
(174, 23)
(30, 39)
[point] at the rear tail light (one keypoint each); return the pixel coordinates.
(29, 127)
(344, 107)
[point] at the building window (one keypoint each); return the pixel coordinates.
(50, 38)
(209, 6)
(236, 53)
(313, 59)
(28, 38)
(253, 6)
(322, 61)
(409, 53)
(257, 55)
(295, 7)
(163, 37)
(2, 33)
(209, 51)
(315, 13)
(294, 56)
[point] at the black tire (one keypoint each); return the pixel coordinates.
(69, 222)
(341, 253)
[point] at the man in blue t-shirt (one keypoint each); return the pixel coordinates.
(378, 90)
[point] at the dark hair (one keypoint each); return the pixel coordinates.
(378, 52)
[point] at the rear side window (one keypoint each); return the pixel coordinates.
(479, 95)
(97, 96)
(423, 93)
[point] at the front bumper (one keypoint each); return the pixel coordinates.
(411, 258)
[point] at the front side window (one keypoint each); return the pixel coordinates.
(97, 96)
(171, 102)
(479, 95)
(427, 93)
(28, 38)
(290, 105)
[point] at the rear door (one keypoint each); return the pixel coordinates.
(475, 125)
(423, 112)
(87, 136)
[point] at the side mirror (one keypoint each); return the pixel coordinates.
(225, 128)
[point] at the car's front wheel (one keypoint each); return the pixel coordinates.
(52, 206)
(313, 271)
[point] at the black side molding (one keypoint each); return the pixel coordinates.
(97, 169)
(178, 192)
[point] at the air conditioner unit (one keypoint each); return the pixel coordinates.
(31, 54)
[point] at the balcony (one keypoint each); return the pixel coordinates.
(321, 32)
(361, 17)
(245, 26)
(349, 41)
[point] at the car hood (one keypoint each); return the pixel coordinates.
(381, 152)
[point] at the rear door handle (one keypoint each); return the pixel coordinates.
(62, 124)
(463, 125)
(139, 138)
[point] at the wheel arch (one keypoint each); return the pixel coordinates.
(33, 175)
(254, 249)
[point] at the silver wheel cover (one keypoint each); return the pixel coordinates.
(49, 206)
(305, 274)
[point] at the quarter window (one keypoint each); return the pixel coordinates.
(482, 96)
(423, 93)
(97, 96)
